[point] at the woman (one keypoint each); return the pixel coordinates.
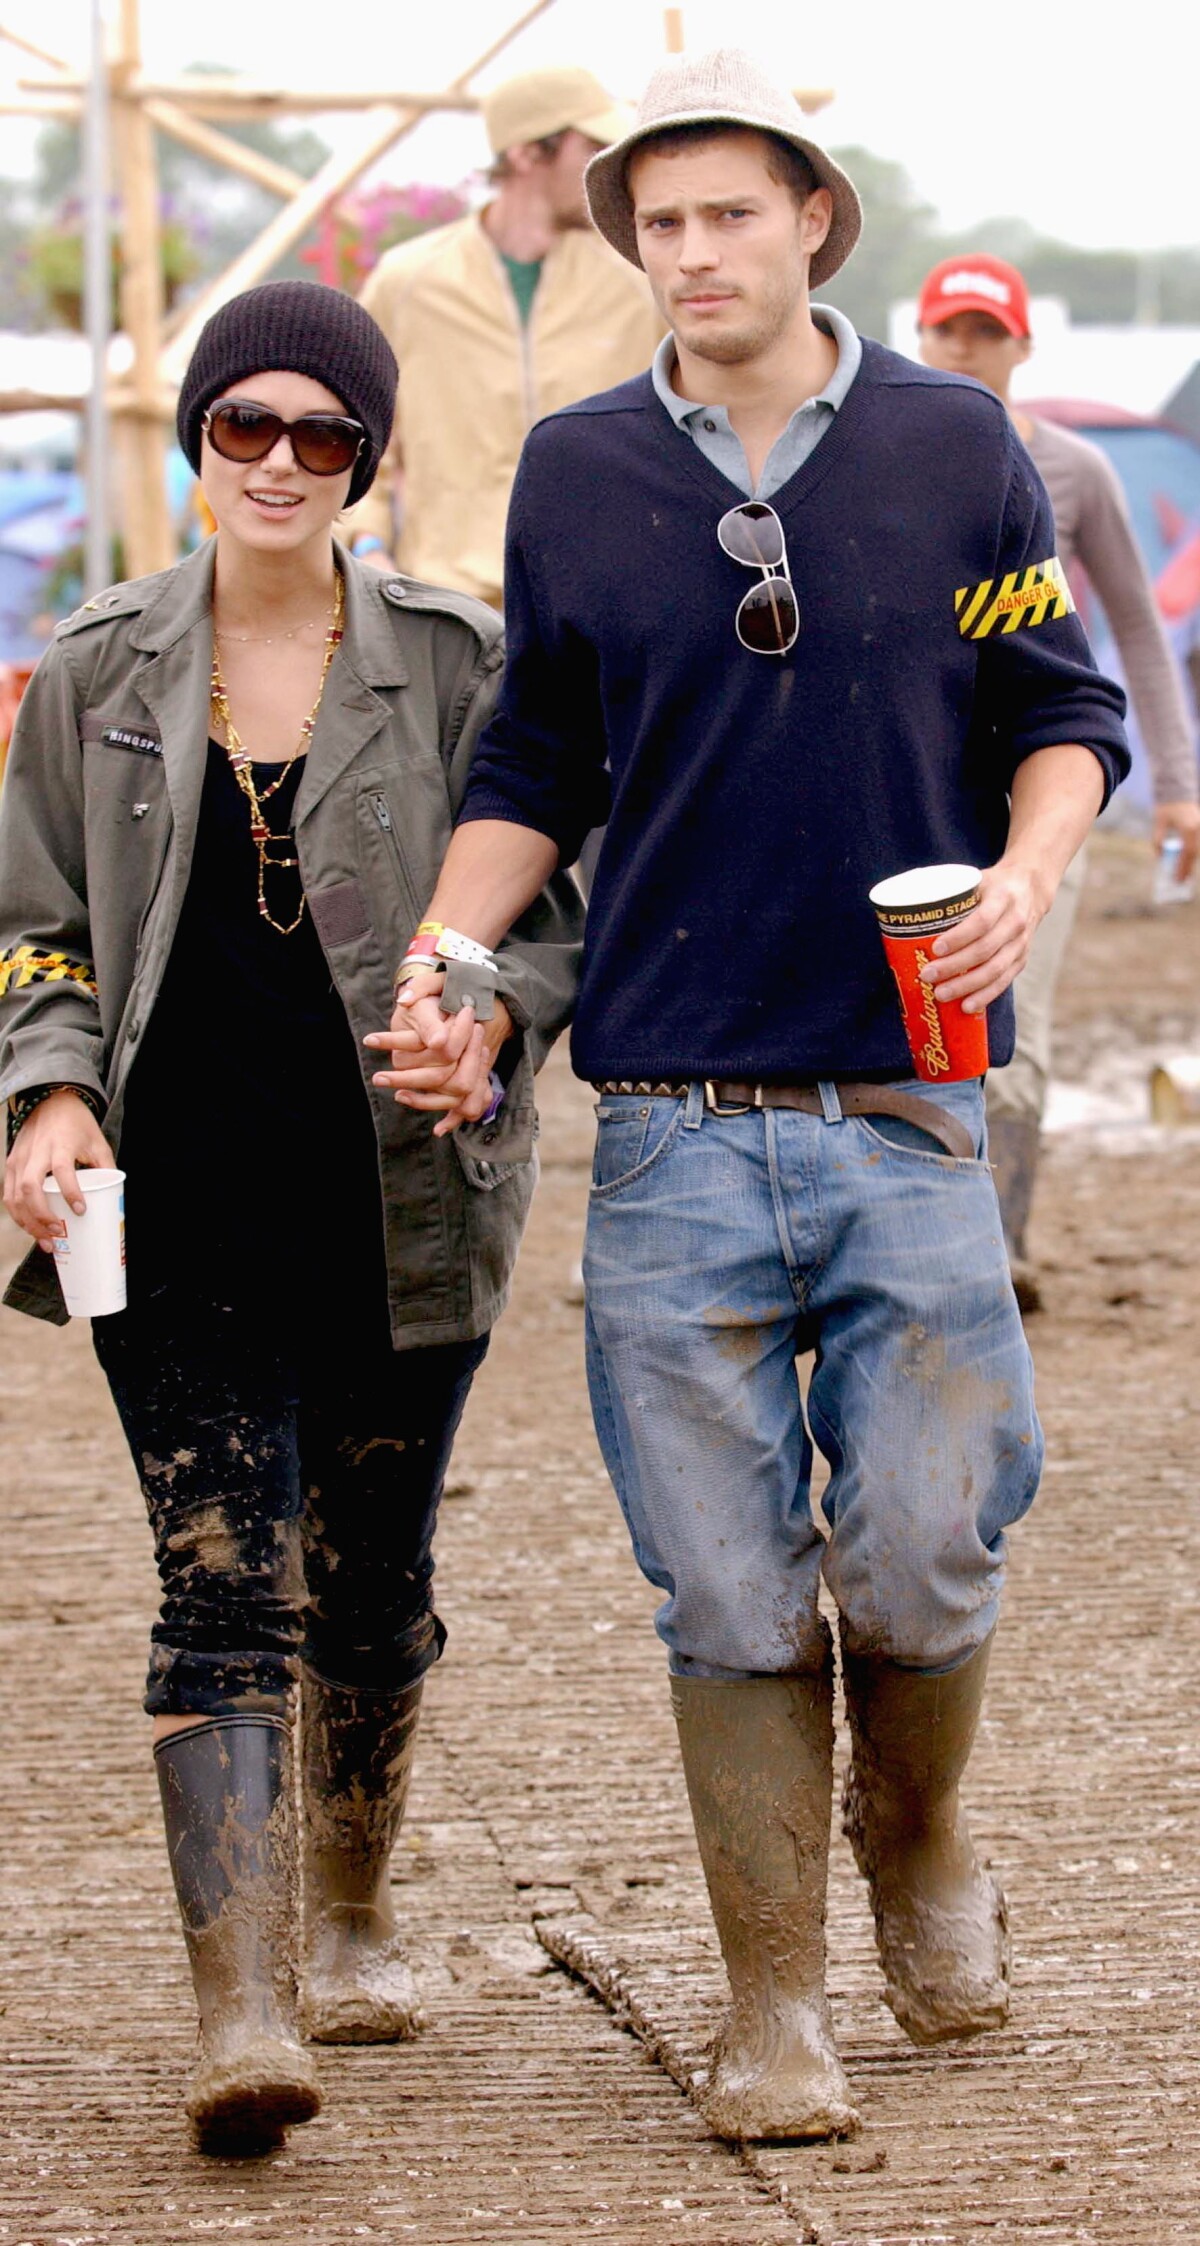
(227, 798)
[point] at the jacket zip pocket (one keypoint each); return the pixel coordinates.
(387, 826)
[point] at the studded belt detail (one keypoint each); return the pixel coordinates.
(724, 1098)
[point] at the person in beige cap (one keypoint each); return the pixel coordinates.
(496, 320)
(757, 624)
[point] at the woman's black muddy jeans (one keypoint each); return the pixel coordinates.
(292, 1490)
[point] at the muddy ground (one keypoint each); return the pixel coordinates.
(548, 1819)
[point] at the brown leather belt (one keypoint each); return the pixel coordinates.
(724, 1098)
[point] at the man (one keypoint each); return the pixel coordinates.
(973, 319)
(769, 1178)
(496, 320)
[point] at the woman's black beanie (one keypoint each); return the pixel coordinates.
(304, 328)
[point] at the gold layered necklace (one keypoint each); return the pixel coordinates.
(261, 834)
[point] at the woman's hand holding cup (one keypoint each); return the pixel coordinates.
(60, 1137)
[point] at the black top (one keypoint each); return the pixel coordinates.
(752, 801)
(248, 1141)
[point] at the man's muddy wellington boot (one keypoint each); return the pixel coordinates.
(758, 1758)
(1014, 1143)
(941, 1920)
(358, 1754)
(228, 1808)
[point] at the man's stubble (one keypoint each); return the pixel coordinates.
(765, 324)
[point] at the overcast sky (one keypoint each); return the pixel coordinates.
(1082, 118)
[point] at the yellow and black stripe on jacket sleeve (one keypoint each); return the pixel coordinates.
(31, 963)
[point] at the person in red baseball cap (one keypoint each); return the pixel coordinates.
(978, 283)
(973, 318)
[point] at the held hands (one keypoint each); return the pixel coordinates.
(440, 1063)
(977, 959)
(61, 1136)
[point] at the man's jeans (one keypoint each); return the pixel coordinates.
(718, 1249)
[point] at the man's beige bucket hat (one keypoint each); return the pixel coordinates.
(726, 87)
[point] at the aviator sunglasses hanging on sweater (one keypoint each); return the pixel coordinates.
(768, 616)
(261, 834)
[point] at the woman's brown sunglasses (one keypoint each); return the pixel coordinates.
(325, 444)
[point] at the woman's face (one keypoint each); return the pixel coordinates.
(273, 505)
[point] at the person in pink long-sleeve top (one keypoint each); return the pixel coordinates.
(973, 319)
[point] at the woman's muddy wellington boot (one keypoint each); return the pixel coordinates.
(358, 1754)
(228, 1807)
(941, 1920)
(758, 1758)
(1014, 1145)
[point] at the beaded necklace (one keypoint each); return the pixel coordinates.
(240, 763)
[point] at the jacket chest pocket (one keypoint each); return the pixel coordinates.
(127, 828)
(401, 843)
(123, 776)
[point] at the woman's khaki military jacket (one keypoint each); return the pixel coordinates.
(98, 819)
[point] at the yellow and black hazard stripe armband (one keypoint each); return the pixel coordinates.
(31, 963)
(1036, 595)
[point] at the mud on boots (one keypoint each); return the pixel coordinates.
(758, 1758)
(358, 1748)
(941, 1919)
(227, 1799)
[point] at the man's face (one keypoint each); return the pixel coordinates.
(726, 248)
(974, 343)
(562, 179)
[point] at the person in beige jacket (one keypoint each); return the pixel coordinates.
(496, 320)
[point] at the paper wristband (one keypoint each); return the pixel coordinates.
(433, 941)
(450, 945)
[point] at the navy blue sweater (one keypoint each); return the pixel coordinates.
(752, 801)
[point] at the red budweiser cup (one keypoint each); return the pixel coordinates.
(912, 908)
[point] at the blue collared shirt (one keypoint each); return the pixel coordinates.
(712, 430)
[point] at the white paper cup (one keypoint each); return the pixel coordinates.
(91, 1260)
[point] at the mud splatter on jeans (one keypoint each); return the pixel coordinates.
(292, 1487)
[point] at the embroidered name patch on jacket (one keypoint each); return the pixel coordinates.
(93, 728)
(29, 963)
(123, 737)
(1026, 596)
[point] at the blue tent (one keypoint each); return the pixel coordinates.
(41, 514)
(1159, 467)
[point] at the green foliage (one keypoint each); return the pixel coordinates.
(897, 232)
(54, 259)
(17, 305)
(221, 213)
(900, 242)
(210, 215)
